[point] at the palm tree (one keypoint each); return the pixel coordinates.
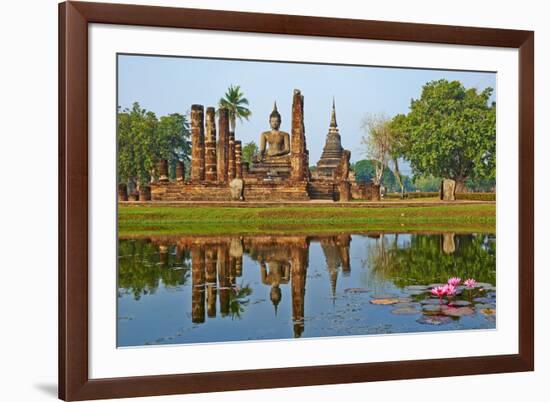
(236, 104)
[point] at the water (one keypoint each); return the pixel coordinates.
(177, 289)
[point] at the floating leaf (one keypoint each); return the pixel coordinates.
(384, 302)
(434, 320)
(484, 300)
(416, 287)
(385, 296)
(356, 290)
(432, 301)
(406, 308)
(459, 303)
(458, 311)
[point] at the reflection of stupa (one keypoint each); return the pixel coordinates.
(336, 251)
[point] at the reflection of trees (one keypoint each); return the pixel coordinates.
(238, 300)
(430, 259)
(141, 267)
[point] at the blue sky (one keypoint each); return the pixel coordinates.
(167, 85)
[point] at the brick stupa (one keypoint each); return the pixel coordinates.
(332, 151)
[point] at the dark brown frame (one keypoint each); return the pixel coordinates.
(74, 17)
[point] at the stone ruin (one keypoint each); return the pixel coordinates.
(279, 173)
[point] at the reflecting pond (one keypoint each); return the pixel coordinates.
(178, 289)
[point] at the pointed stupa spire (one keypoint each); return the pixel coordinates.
(333, 115)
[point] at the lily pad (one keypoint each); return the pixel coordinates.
(385, 302)
(459, 303)
(458, 311)
(432, 301)
(416, 287)
(385, 296)
(434, 320)
(483, 285)
(482, 306)
(433, 308)
(356, 290)
(415, 292)
(406, 309)
(484, 300)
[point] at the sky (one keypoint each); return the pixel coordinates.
(167, 85)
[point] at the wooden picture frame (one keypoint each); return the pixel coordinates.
(74, 381)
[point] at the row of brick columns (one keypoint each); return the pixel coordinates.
(213, 159)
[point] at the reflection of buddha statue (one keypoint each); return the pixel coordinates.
(279, 273)
(274, 143)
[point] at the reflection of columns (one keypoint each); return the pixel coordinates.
(180, 171)
(299, 260)
(449, 246)
(238, 160)
(211, 261)
(163, 254)
(198, 278)
(223, 144)
(180, 255)
(223, 279)
(236, 251)
(197, 143)
(343, 247)
(231, 158)
(210, 173)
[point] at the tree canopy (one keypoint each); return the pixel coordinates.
(143, 140)
(236, 104)
(250, 150)
(450, 132)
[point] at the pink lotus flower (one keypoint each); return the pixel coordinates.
(470, 283)
(439, 291)
(449, 289)
(455, 281)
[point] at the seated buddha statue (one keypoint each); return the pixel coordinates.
(274, 154)
(274, 144)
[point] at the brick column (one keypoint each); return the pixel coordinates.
(210, 172)
(231, 157)
(122, 192)
(298, 151)
(223, 145)
(197, 143)
(180, 171)
(238, 160)
(163, 170)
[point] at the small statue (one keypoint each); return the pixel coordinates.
(277, 142)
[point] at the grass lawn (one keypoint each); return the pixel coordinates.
(149, 219)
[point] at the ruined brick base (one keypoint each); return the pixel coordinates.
(261, 190)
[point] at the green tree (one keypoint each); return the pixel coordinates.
(450, 132)
(250, 150)
(143, 140)
(383, 139)
(237, 105)
(136, 145)
(172, 140)
(427, 183)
